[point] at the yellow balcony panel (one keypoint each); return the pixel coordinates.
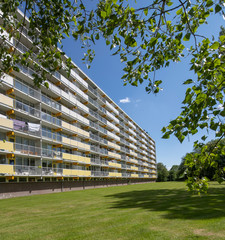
(74, 143)
(134, 168)
(66, 156)
(6, 169)
(6, 123)
(6, 100)
(114, 164)
(6, 146)
(75, 172)
(66, 140)
(146, 176)
(111, 154)
(83, 146)
(85, 159)
(81, 131)
(66, 125)
(134, 175)
(114, 174)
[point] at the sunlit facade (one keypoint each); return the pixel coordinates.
(68, 132)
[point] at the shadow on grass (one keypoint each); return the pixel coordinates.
(175, 203)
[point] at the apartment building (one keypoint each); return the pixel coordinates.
(71, 131)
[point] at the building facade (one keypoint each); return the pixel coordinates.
(71, 131)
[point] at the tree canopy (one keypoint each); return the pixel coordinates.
(146, 37)
(162, 173)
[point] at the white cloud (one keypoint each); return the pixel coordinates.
(125, 100)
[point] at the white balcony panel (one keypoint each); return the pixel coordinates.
(110, 106)
(113, 136)
(113, 126)
(131, 138)
(82, 106)
(112, 116)
(75, 75)
(65, 110)
(132, 132)
(7, 79)
(65, 81)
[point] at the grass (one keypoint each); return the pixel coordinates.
(143, 211)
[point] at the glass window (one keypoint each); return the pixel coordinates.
(3, 159)
(26, 161)
(19, 161)
(2, 136)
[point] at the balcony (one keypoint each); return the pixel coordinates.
(6, 146)
(26, 109)
(134, 175)
(6, 123)
(75, 172)
(48, 118)
(75, 143)
(6, 100)
(134, 168)
(6, 169)
(48, 153)
(27, 90)
(52, 135)
(27, 127)
(115, 174)
(77, 158)
(27, 150)
(114, 155)
(112, 164)
(96, 161)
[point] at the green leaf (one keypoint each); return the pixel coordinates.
(215, 45)
(153, 41)
(103, 14)
(218, 8)
(166, 135)
(188, 81)
(187, 37)
(178, 12)
(146, 11)
(222, 38)
(169, 3)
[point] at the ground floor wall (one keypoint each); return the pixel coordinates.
(16, 189)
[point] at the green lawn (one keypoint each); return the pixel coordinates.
(143, 211)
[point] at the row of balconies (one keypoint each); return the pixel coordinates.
(45, 116)
(34, 151)
(83, 83)
(21, 170)
(35, 112)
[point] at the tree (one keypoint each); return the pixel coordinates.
(162, 173)
(147, 37)
(173, 173)
(207, 162)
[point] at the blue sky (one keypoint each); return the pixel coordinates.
(151, 112)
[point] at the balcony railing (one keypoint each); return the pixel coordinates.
(25, 128)
(27, 149)
(24, 170)
(27, 90)
(52, 135)
(26, 108)
(51, 119)
(51, 153)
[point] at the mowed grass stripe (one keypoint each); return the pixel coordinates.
(142, 211)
